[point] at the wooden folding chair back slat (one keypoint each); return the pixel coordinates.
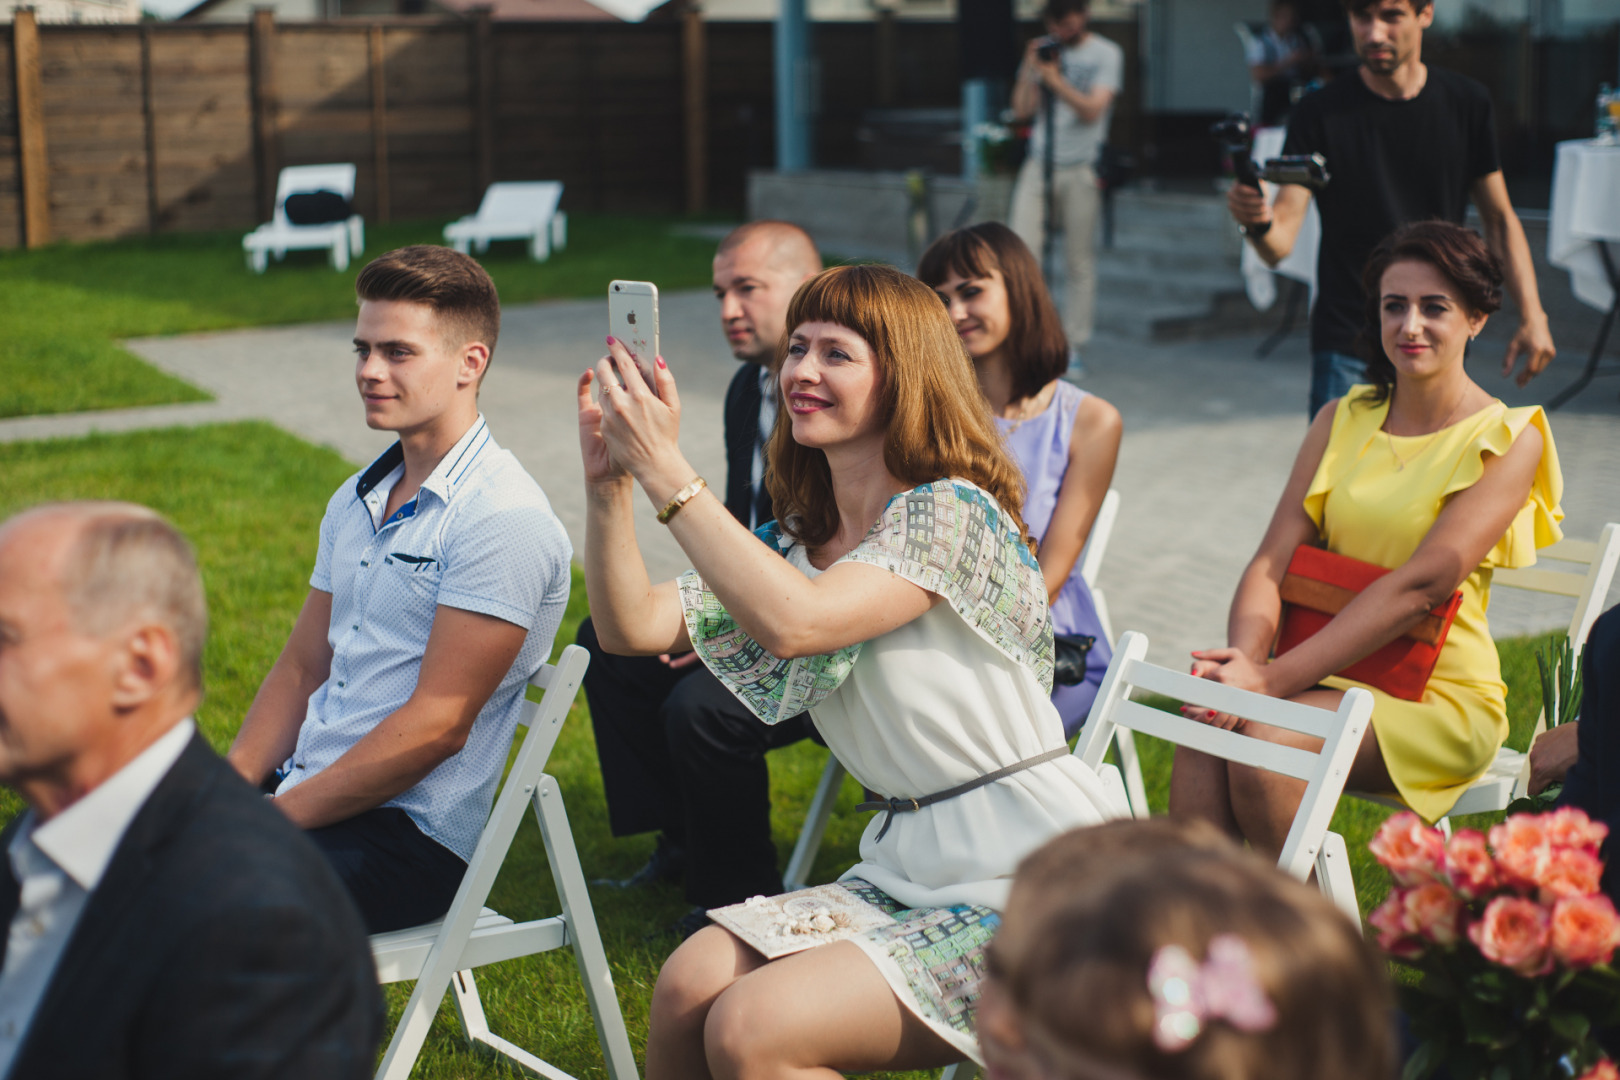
(797, 874)
(443, 955)
(1309, 844)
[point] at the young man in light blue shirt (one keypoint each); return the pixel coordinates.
(440, 581)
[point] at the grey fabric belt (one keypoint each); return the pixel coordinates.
(911, 806)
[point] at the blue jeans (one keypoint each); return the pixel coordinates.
(1332, 375)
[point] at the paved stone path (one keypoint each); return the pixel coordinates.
(1210, 436)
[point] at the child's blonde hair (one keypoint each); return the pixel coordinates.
(1086, 985)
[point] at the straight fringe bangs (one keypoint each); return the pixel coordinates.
(938, 425)
(1037, 348)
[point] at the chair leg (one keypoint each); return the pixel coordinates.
(470, 1008)
(962, 1070)
(412, 1031)
(357, 234)
(540, 244)
(815, 825)
(1333, 876)
(1130, 765)
(582, 932)
(559, 231)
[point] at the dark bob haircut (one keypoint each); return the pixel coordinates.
(1462, 259)
(1037, 350)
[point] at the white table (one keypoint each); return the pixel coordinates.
(1584, 226)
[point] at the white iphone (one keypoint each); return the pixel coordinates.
(633, 319)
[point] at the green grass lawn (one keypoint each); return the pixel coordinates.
(250, 497)
(66, 307)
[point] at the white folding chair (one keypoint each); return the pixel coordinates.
(1508, 777)
(1309, 845)
(443, 954)
(832, 777)
(341, 239)
(514, 211)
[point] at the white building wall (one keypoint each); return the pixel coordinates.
(76, 11)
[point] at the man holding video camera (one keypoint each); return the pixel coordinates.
(1081, 71)
(1403, 142)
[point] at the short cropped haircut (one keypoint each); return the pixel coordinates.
(126, 563)
(1057, 9)
(452, 284)
(1356, 7)
(1037, 349)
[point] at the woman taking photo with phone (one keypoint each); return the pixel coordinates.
(898, 601)
(1065, 440)
(1425, 475)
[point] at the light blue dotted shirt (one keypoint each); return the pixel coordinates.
(479, 536)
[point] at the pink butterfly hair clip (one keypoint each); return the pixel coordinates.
(1188, 995)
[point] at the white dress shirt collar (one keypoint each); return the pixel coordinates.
(82, 838)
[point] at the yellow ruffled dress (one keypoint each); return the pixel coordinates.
(1374, 497)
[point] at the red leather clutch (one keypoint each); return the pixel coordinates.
(1317, 587)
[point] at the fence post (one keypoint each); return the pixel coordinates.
(694, 71)
(482, 57)
(36, 177)
(149, 119)
(261, 46)
(379, 118)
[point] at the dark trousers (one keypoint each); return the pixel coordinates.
(399, 877)
(681, 755)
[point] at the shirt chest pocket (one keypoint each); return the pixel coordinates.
(408, 588)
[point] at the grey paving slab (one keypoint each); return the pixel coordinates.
(1210, 436)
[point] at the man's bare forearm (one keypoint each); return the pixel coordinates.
(391, 758)
(1505, 236)
(269, 731)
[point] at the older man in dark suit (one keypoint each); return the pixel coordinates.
(681, 756)
(164, 921)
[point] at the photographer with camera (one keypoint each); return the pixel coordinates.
(1405, 142)
(1067, 85)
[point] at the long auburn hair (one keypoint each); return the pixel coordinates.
(1460, 256)
(1037, 349)
(936, 421)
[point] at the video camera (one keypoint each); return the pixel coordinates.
(1049, 50)
(1236, 136)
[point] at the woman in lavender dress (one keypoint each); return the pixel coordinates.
(1065, 440)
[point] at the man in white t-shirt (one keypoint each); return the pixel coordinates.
(1084, 78)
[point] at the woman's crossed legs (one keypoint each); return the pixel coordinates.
(722, 1010)
(1256, 805)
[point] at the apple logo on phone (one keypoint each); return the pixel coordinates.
(631, 317)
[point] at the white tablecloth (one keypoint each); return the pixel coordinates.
(1301, 261)
(1585, 211)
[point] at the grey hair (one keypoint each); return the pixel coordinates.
(127, 562)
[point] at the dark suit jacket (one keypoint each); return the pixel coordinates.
(742, 429)
(219, 943)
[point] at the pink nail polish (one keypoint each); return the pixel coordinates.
(661, 363)
(610, 339)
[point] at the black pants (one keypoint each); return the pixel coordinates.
(680, 754)
(397, 875)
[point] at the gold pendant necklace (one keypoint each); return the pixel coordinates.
(1400, 462)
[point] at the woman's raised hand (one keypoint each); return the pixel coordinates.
(629, 428)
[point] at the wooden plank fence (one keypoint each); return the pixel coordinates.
(115, 130)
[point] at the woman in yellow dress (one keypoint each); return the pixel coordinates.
(1422, 472)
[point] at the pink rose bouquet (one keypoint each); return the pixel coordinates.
(1513, 943)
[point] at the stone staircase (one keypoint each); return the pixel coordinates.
(1172, 273)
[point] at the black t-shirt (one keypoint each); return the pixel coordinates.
(1391, 162)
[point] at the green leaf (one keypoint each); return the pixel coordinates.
(1570, 1025)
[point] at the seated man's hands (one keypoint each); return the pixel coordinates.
(678, 661)
(1551, 756)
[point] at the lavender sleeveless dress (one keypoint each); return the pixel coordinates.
(1041, 446)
